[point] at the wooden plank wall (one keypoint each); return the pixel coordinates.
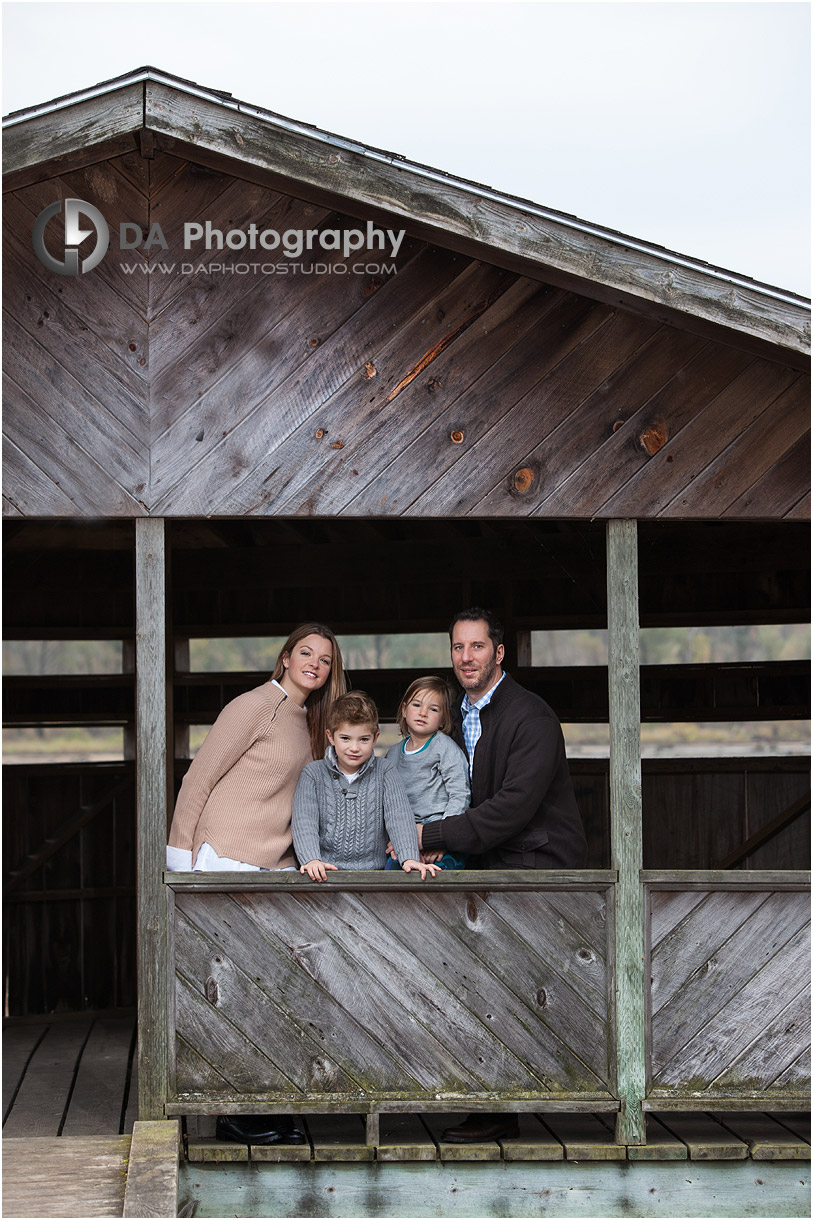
(439, 386)
(730, 994)
(328, 997)
(69, 926)
(76, 374)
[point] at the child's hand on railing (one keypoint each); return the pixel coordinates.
(316, 869)
(409, 865)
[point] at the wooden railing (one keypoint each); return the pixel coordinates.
(728, 1006)
(376, 992)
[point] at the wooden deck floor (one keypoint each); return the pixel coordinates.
(70, 1101)
(69, 1104)
(542, 1137)
(70, 1075)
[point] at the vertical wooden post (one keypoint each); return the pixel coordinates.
(625, 825)
(152, 790)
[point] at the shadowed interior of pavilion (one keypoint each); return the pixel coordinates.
(276, 1003)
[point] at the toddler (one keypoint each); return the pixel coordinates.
(433, 770)
(350, 803)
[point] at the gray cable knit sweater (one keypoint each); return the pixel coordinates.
(349, 824)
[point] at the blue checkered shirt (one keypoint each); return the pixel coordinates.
(472, 729)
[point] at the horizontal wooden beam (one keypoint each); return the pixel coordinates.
(567, 1103)
(719, 879)
(468, 879)
(754, 692)
(669, 693)
(753, 1101)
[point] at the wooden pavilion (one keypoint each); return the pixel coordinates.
(509, 407)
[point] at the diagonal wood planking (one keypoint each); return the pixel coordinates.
(201, 394)
(240, 999)
(776, 492)
(219, 402)
(506, 443)
(673, 467)
(749, 456)
(318, 994)
(453, 374)
(76, 356)
(446, 1022)
(509, 376)
(620, 455)
(322, 477)
(235, 926)
(426, 1052)
(591, 420)
(569, 1039)
(723, 1017)
(301, 369)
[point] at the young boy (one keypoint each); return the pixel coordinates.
(348, 804)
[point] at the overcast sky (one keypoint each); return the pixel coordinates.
(683, 124)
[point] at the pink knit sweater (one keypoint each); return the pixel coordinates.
(238, 792)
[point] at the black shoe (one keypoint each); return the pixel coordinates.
(259, 1129)
(482, 1128)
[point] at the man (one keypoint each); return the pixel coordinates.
(523, 811)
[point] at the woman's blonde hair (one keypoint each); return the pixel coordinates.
(435, 686)
(318, 702)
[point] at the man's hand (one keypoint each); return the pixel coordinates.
(316, 869)
(428, 857)
(409, 865)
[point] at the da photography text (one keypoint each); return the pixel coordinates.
(80, 220)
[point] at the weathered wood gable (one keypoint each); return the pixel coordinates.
(435, 384)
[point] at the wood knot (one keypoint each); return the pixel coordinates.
(619, 423)
(654, 438)
(314, 342)
(369, 370)
(211, 991)
(523, 479)
(456, 437)
(337, 445)
(371, 286)
(471, 910)
(585, 955)
(434, 383)
(542, 998)
(318, 434)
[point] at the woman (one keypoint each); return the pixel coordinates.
(234, 808)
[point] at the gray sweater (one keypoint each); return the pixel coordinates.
(436, 778)
(349, 824)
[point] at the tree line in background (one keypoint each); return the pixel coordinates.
(659, 646)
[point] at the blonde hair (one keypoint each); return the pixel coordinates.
(434, 686)
(355, 707)
(319, 701)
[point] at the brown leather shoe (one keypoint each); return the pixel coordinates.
(482, 1129)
